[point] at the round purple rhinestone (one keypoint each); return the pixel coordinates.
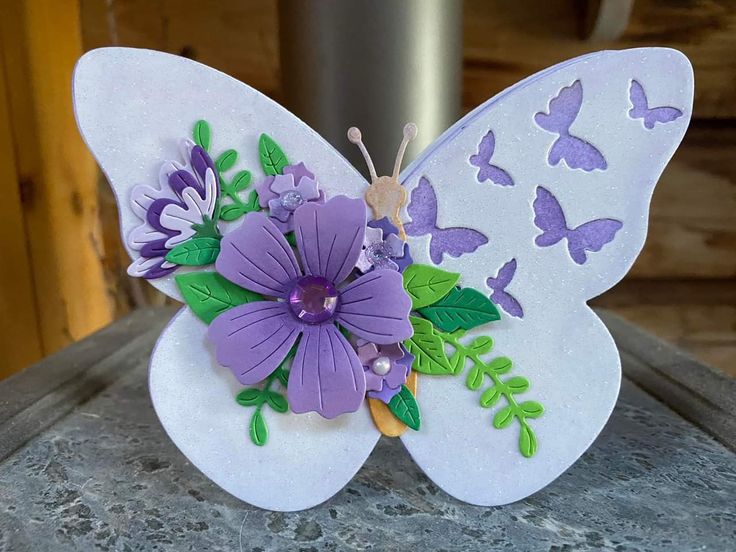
(313, 299)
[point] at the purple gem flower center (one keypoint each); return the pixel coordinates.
(377, 253)
(313, 299)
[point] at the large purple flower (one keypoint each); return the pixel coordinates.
(386, 368)
(284, 193)
(186, 198)
(253, 339)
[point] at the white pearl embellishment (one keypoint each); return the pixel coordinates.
(381, 366)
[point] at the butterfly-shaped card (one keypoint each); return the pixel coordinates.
(444, 304)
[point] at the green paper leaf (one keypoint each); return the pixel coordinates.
(481, 345)
(291, 238)
(426, 285)
(517, 384)
(457, 362)
(464, 308)
(273, 159)
(404, 406)
(474, 379)
(249, 396)
(240, 181)
(201, 134)
(527, 441)
(490, 397)
(532, 409)
(208, 294)
(283, 376)
(277, 401)
(226, 160)
(500, 365)
(195, 252)
(258, 429)
(232, 212)
(428, 349)
(503, 417)
(251, 204)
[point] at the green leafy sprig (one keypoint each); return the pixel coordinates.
(447, 313)
(260, 396)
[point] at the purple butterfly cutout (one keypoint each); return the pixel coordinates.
(591, 236)
(422, 209)
(650, 117)
(499, 295)
(482, 160)
(574, 151)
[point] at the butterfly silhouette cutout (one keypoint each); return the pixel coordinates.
(422, 210)
(591, 236)
(482, 160)
(499, 295)
(575, 152)
(650, 116)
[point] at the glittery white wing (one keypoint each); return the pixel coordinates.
(136, 108)
(556, 175)
(307, 458)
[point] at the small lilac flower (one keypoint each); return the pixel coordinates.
(253, 339)
(286, 192)
(383, 248)
(386, 368)
(186, 196)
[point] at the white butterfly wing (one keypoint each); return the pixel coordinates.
(134, 107)
(307, 458)
(559, 345)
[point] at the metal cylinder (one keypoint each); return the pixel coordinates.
(374, 64)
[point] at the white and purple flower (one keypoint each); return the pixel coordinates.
(383, 248)
(386, 367)
(183, 205)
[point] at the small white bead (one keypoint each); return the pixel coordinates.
(381, 366)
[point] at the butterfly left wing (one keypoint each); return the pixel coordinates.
(563, 359)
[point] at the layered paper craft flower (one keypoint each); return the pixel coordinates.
(383, 248)
(386, 368)
(283, 193)
(253, 339)
(183, 204)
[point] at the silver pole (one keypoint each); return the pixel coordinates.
(374, 64)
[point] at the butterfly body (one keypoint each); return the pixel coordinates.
(386, 197)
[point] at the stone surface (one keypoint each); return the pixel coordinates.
(107, 478)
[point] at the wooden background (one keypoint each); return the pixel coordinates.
(66, 274)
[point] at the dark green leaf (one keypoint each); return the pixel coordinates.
(404, 406)
(201, 134)
(475, 378)
(517, 384)
(249, 396)
(258, 429)
(195, 252)
(232, 212)
(500, 365)
(490, 397)
(426, 285)
(428, 349)
(481, 345)
(208, 294)
(503, 417)
(251, 204)
(226, 160)
(464, 308)
(272, 157)
(291, 238)
(532, 409)
(527, 441)
(283, 376)
(277, 401)
(240, 181)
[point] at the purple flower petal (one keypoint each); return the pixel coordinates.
(257, 257)
(326, 375)
(181, 180)
(307, 188)
(265, 194)
(392, 382)
(201, 161)
(153, 215)
(278, 211)
(330, 236)
(376, 307)
(282, 183)
(150, 268)
(298, 171)
(253, 339)
(155, 248)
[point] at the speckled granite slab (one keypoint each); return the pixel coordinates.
(103, 476)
